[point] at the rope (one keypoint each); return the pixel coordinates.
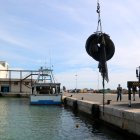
(99, 30)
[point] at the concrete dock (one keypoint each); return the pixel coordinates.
(117, 114)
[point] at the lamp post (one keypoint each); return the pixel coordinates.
(97, 79)
(76, 83)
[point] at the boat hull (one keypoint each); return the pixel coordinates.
(46, 99)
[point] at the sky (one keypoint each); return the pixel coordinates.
(53, 33)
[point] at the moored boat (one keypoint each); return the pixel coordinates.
(45, 91)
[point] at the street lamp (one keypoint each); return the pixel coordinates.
(97, 79)
(76, 83)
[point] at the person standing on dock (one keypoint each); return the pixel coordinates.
(119, 92)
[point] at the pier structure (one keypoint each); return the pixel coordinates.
(17, 81)
(115, 114)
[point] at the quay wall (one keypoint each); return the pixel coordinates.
(123, 119)
(126, 120)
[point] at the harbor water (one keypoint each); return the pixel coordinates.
(21, 121)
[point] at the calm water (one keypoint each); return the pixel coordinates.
(20, 121)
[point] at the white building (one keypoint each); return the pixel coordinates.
(9, 84)
(3, 67)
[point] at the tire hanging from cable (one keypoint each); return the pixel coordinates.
(101, 48)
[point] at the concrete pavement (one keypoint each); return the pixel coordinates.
(98, 97)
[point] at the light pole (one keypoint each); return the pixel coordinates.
(97, 79)
(76, 83)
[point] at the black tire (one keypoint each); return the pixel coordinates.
(93, 49)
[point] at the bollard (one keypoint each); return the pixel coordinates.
(108, 102)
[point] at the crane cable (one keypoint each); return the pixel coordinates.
(99, 31)
(99, 25)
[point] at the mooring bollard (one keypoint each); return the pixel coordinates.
(108, 102)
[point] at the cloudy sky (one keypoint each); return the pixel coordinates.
(36, 33)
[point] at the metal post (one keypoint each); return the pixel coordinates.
(10, 81)
(32, 82)
(31, 78)
(76, 83)
(97, 79)
(20, 81)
